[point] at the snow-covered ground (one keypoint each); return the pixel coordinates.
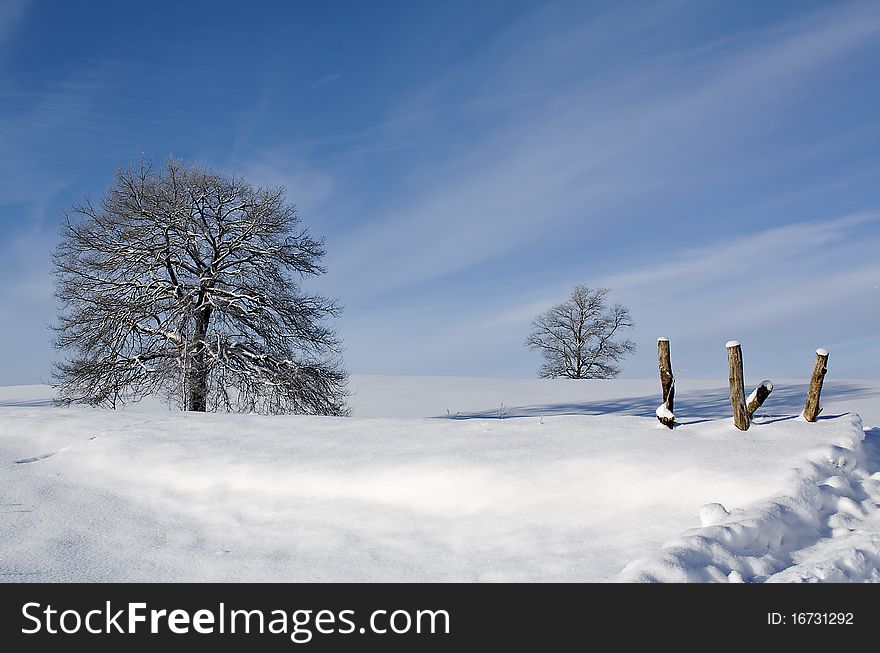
(529, 480)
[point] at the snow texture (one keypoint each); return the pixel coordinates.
(732, 343)
(822, 351)
(578, 483)
(825, 527)
(713, 513)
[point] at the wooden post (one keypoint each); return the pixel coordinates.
(665, 413)
(811, 407)
(737, 388)
(753, 403)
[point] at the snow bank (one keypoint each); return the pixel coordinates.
(578, 482)
(823, 528)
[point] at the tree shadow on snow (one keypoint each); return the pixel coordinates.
(786, 402)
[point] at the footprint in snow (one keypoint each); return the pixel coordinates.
(34, 459)
(11, 508)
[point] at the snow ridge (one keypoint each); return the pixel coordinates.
(814, 533)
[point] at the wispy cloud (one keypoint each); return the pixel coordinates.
(779, 288)
(743, 265)
(11, 12)
(323, 81)
(308, 187)
(692, 156)
(740, 255)
(44, 131)
(587, 149)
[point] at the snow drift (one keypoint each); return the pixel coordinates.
(147, 495)
(823, 528)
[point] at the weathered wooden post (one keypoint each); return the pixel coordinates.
(811, 407)
(737, 388)
(756, 399)
(665, 412)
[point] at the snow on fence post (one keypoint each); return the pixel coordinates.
(665, 411)
(811, 407)
(759, 394)
(737, 387)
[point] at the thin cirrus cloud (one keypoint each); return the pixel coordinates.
(713, 168)
(684, 151)
(11, 12)
(745, 261)
(536, 172)
(740, 256)
(750, 282)
(781, 290)
(588, 149)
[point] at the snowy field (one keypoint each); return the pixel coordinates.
(447, 479)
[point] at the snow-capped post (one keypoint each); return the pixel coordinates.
(737, 387)
(665, 411)
(811, 407)
(759, 394)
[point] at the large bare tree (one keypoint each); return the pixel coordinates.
(186, 282)
(580, 338)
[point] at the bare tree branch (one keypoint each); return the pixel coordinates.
(577, 337)
(185, 282)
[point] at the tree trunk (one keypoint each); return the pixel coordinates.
(737, 389)
(757, 398)
(197, 399)
(667, 382)
(811, 407)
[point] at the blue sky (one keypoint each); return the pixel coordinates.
(716, 164)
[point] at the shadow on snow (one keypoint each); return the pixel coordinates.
(26, 403)
(786, 402)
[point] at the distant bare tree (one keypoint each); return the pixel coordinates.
(184, 281)
(577, 337)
